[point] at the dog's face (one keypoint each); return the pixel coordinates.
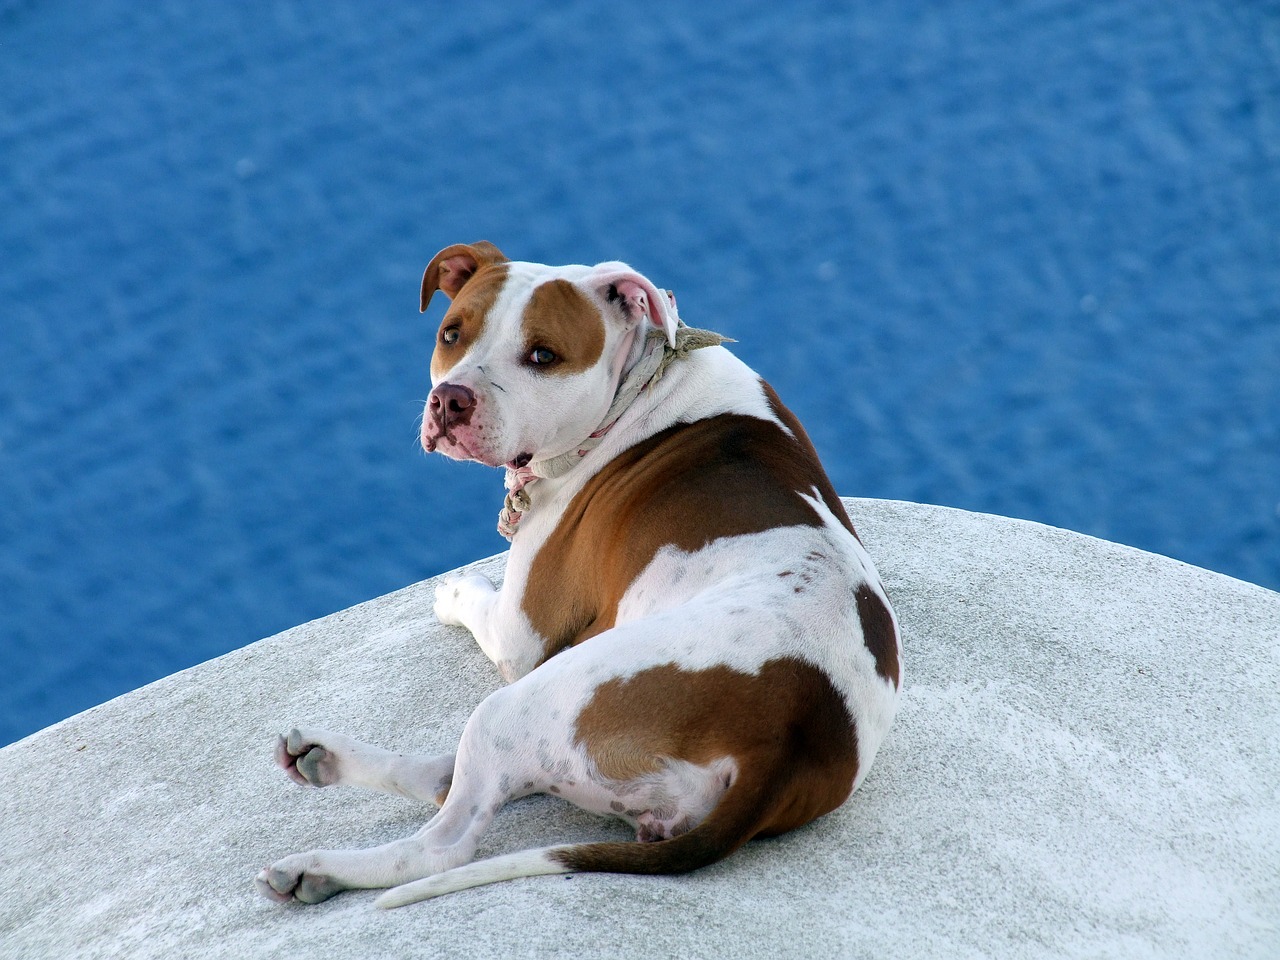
(528, 357)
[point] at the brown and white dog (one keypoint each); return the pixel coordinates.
(695, 640)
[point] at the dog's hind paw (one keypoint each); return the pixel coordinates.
(287, 881)
(306, 760)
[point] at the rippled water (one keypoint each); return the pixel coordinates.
(1013, 257)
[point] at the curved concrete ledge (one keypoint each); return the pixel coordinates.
(1086, 763)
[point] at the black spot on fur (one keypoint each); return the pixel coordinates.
(878, 633)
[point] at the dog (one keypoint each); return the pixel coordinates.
(693, 637)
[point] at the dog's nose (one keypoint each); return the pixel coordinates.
(451, 403)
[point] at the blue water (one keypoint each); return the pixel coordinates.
(1016, 256)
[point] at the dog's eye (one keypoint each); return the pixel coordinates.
(541, 356)
(449, 336)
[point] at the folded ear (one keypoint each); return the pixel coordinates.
(637, 297)
(455, 265)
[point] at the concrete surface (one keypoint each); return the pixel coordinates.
(1086, 763)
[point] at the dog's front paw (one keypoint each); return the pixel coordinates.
(457, 595)
(311, 758)
(297, 878)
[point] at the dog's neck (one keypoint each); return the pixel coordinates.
(655, 356)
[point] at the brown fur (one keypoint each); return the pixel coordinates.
(821, 480)
(878, 633)
(685, 486)
(787, 728)
(467, 314)
(453, 266)
(564, 321)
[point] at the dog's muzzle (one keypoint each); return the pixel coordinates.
(451, 405)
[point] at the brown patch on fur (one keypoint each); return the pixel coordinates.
(442, 792)
(466, 315)
(453, 266)
(560, 318)
(878, 633)
(669, 489)
(821, 480)
(787, 729)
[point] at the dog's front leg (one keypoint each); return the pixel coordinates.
(501, 629)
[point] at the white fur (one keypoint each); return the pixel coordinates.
(526, 863)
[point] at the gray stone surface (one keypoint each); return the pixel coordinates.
(1086, 763)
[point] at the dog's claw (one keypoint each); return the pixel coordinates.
(288, 762)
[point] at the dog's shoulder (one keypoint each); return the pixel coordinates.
(744, 466)
(721, 456)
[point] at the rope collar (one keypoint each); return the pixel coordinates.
(657, 356)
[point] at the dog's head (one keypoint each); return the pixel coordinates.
(528, 357)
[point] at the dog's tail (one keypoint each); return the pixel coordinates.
(745, 810)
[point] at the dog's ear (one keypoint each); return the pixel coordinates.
(636, 297)
(455, 265)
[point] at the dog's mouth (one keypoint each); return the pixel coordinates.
(453, 446)
(449, 444)
(461, 445)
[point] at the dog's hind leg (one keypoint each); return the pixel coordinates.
(486, 775)
(447, 841)
(320, 758)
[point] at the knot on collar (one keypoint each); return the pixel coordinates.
(657, 356)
